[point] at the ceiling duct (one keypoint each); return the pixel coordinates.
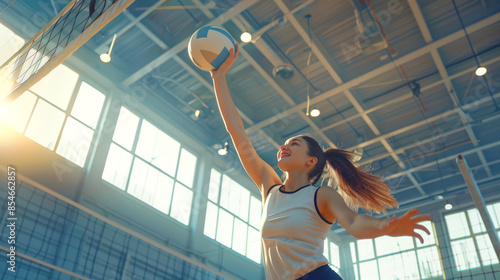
(370, 41)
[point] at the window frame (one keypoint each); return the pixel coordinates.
(235, 216)
(415, 248)
(132, 152)
(471, 234)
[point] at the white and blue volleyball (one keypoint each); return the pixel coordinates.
(209, 47)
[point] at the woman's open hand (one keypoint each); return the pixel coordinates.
(227, 64)
(406, 225)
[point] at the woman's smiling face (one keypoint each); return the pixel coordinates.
(294, 154)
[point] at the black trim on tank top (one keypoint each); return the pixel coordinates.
(267, 194)
(317, 209)
(294, 190)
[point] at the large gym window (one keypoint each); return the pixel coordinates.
(470, 243)
(46, 114)
(152, 166)
(233, 216)
(402, 257)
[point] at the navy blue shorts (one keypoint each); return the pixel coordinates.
(321, 273)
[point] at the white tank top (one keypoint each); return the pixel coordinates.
(293, 233)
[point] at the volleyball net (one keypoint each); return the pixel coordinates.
(56, 238)
(57, 40)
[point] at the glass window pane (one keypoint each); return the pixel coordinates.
(150, 185)
(404, 243)
(139, 178)
(235, 198)
(10, 43)
(488, 255)
(243, 202)
(187, 167)
(494, 211)
(240, 230)
(163, 193)
(225, 227)
(386, 245)
(45, 124)
(464, 253)
(17, 113)
(387, 270)
(181, 204)
(6, 84)
(88, 105)
(368, 270)
(326, 250)
(365, 249)
(117, 166)
(57, 86)
(356, 272)
(429, 263)
(335, 255)
(213, 189)
(476, 221)
(226, 188)
(254, 249)
(75, 141)
(255, 211)
(457, 225)
(211, 220)
(399, 266)
(428, 239)
(126, 126)
(352, 245)
(158, 148)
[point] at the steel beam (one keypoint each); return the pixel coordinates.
(385, 68)
(228, 15)
(475, 168)
(104, 46)
(420, 123)
(422, 25)
(423, 142)
(317, 48)
(423, 166)
(409, 95)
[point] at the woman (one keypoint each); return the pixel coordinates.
(297, 215)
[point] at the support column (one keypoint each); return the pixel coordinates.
(480, 204)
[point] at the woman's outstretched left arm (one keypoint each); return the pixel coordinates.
(331, 204)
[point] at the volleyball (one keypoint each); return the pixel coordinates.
(209, 47)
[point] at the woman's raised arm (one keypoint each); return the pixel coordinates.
(261, 173)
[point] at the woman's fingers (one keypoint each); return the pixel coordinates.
(421, 227)
(229, 61)
(420, 218)
(418, 236)
(225, 66)
(411, 212)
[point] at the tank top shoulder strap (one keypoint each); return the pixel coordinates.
(272, 187)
